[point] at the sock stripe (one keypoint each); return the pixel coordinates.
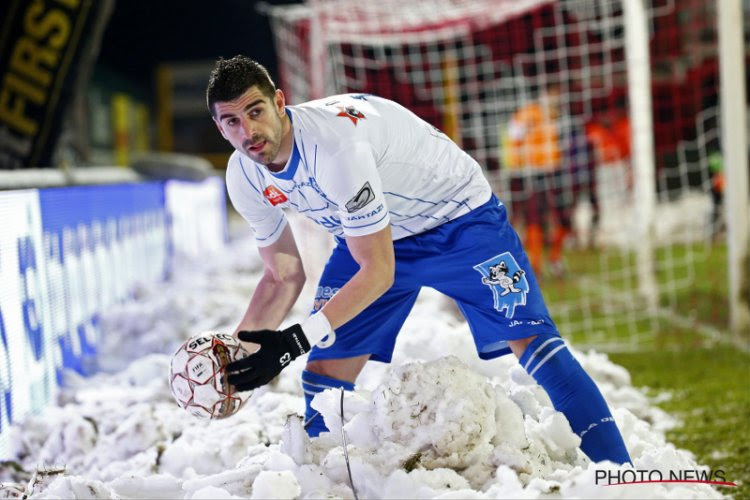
(575, 394)
(312, 384)
(317, 387)
(538, 350)
(546, 358)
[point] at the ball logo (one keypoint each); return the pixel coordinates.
(274, 195)
(198, 342)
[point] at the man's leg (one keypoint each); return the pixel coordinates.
(323, 374)
(370, 334)
(573, 393)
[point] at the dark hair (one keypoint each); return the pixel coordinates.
(231, 78)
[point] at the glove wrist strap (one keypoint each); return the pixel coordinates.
(316, 327)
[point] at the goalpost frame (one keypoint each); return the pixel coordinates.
(642, 139)
(734, 147)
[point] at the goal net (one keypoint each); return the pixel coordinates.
(537, 91)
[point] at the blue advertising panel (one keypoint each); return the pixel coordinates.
(66, 255)
(27, 357)
(99, 241)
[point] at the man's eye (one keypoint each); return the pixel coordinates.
(232, 121)
(255, 112)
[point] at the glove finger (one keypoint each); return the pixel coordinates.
(256, 336)
(240, 378)
(241, 364)
(247, 384)
(245, 387)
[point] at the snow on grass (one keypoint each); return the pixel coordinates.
(436, 423)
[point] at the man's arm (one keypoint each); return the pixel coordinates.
(377, 264)
(373, 253)
(279, 287)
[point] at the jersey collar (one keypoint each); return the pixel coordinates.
(293, 163)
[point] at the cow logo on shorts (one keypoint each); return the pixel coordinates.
(506, 280)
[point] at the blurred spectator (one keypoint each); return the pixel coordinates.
(533, 154)
(609, 137)
(572, 182)
(716, 171)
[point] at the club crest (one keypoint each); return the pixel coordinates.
(506, 280)
(352, 113)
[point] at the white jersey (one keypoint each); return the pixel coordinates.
(359, 163)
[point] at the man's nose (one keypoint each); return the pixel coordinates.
(248, 129)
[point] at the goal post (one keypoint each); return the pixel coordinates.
(636, 20)
(735, 151)
(596, 122)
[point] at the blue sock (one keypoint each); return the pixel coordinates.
(575, 395)
(312, 384)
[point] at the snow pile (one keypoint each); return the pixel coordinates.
(437, 423)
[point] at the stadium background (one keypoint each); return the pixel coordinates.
(140, 89)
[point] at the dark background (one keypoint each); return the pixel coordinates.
(143, 33)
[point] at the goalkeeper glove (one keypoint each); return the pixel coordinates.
(277, 350)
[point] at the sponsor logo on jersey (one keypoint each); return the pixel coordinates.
(329, 222)
(274, 195)
(351, 113)
(361, 199)
(368, 215)
(507, 281)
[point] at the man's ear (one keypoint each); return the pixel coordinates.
(280, 101)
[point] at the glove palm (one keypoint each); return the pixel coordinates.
(277, 350)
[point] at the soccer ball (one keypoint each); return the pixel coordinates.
(197, 377)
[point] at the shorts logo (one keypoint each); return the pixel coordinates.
(506, 280)
(274, 195)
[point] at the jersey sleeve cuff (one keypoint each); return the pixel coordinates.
(365, 229)
(274, 236)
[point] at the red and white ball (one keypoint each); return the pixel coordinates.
(198, 379)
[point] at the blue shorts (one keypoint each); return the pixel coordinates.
(477, 260)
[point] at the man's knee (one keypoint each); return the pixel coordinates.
(342, 369)
(518, 346)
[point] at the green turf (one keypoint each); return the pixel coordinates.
(710, 396)
(595, 305)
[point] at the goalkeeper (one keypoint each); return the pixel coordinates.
(407, 208)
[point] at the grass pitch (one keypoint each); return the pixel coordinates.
(710, 397)
(685, 348)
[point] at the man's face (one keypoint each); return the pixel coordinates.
(252, 123)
